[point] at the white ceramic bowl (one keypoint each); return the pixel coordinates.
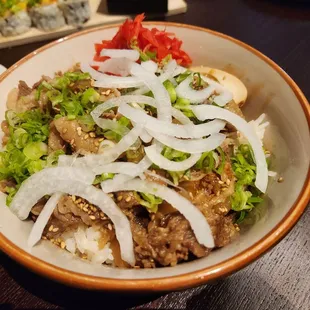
(271, 91)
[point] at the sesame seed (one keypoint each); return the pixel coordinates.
(111, 195)
(73, 198)
(78, 201)
(92, 217)
(191, 195)
(92, 135)
(221, 182)
(227, 181)
(108, 92)
(281, 179)
(101, 214)
(86, 136)
(128, 199)
(93, 208)
(79, 131)
(62, 245)
(89, 212)
(85, 209)
(44, 238)
(51, 228)
(72, 142)
(101, 139)
(186, 177)
(52, 240)
(64, 130)
(110, 227)
(81, 205)
(55, 229)
(119, 198)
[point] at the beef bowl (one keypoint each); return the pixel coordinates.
(141, 163)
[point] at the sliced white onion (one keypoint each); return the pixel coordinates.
(31, 191)
(19, 206)
(195, 218)
(150, 66)
(111, 154)
(192, 146)
(164, 163)
(43, 218)
(145, 137)
(179, 70)
(168, 71)
(224, 96)
(137, 99)
(259, 125)
(184, 90)
(160, 93)
(181, 117)
(272, 174)
(109, 186)
(127, 168)
(204, 112)
(119, 66)
(110, 81)
(163, 179)
(114, 53)
(181, 131)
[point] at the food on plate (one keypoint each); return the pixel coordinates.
(76, 12)
(45, 14)
(14, 18)
(133, 160)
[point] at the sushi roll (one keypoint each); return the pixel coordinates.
(76, 12)
(14, 19)
(45, 14)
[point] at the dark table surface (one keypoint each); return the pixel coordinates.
(281, 278)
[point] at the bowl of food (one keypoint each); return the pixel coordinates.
(149, 157)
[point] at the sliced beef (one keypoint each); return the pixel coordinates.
(6, 183)
(127, 200)
(212, 195)
(55, 141)
(173, 240)
(162, 240)
(69, 214)
(233, 107)
(23, 89)
(71, 132)
(21, 99)
(107, 93)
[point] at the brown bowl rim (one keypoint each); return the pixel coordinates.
(187, 280)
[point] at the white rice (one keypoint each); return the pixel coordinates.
(15, 24)
(47, 17)
(76, 12)
(85, 241)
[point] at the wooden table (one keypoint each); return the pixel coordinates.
(279, 280)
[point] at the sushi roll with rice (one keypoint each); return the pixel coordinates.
(14, 19)
(45, 14)
(76, 12)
